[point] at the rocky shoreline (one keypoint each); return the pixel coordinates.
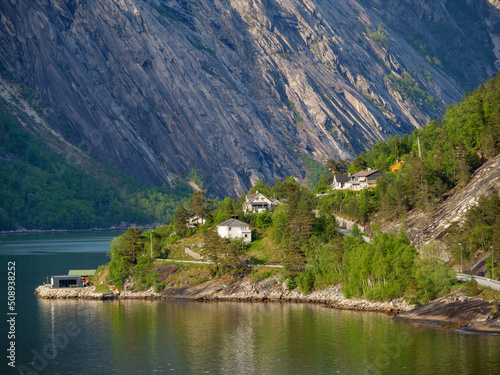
(269, 290)
(456, 310)
(272, 290)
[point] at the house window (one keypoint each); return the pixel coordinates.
(229, 228)
(246, 235)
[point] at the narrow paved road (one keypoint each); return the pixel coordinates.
(345, 232)
(483, 281)
(204, 262)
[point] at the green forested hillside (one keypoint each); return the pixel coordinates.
(313, 253)
(438, 157)
(300, 233)
(40, 189)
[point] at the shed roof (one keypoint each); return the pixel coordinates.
(81, 272)
(65, 276)
(233, 223)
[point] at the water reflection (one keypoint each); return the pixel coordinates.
(183, 337)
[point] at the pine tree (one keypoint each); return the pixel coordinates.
(199, 205)
(180, 221)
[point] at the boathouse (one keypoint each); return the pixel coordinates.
(65, 281)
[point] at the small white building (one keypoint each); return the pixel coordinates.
(195, 221)
(258, 202)
(234, 229)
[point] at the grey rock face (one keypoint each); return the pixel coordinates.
(233, 89)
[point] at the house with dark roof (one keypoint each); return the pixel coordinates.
(356, 181)
(235, 229)
(65, 281)
(341, 181)
(258, 202)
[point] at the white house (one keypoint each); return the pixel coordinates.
(364, 179)
(233, 229)
(356, 181)
(258, 202)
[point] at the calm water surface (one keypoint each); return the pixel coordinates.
(184, 337)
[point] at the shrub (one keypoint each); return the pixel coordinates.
(291, 284)
(305, 281)
(471, 288)
(258, 275)
(158, 287)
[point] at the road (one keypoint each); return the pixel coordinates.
(483, 281)
(345, 232)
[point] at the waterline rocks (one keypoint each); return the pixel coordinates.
(272, 290)
(46, 292)
(245, 290)
(456, 310)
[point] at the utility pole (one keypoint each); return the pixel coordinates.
(151, 241)
(461, 262)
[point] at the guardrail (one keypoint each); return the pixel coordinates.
(483, 281)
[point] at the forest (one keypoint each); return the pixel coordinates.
(40, 189)
(313, 253)
(437, 160)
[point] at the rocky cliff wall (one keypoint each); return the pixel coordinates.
(233, 89)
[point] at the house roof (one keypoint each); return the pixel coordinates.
(251, 197)
(233, 223)
(341, 177)
(66, 276)
(365, 173)
(81, 272)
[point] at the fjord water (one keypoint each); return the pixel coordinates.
(185, 337)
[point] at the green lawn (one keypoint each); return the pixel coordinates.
(102, 288)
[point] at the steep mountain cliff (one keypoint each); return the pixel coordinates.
(237, 90)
